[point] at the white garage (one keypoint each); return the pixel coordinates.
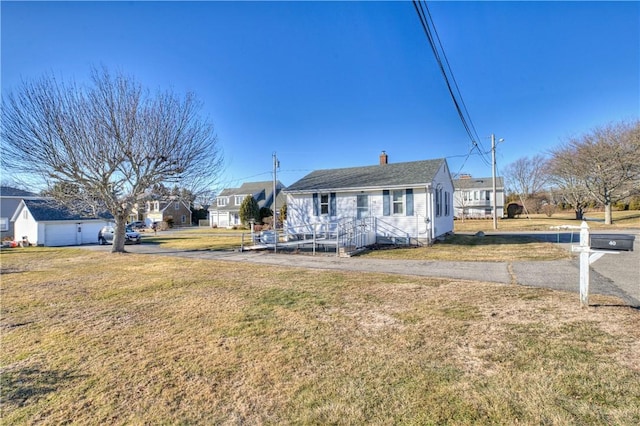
(44, 223)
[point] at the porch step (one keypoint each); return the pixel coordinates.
(349, 251)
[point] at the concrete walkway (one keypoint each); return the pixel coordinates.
(614, 275)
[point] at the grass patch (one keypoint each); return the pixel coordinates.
(539, 222)
(91, 338)
(198, 239)
(490, 248)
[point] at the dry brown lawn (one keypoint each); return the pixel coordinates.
(540, 222)
(89, 338)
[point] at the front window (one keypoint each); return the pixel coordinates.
(4, 223)
(398, 201)
(222, 201)
(176, 206)
(238, 199)
(324, 203)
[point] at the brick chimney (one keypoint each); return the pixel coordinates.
(384, 158)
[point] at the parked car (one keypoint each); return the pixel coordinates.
(138, 224)
(106, 236)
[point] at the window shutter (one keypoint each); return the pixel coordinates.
(386, 203)
(316, 204)
(332, 204)
(409, 201)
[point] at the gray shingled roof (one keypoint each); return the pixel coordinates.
(9, 191)
(48, 210)
(261, 191)
(384, 175)
(477, 183)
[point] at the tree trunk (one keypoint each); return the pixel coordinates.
(608, 218)
(119, 235)
(579, 213)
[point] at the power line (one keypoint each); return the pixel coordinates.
(438, 51)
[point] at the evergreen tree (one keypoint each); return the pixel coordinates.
(249, 209)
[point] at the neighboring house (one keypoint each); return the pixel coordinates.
(168, 210)
(401, 201)
(9, 201)
(44, 223)
(225, 211)
(473, 197)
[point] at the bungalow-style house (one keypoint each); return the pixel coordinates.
(401, 202)
(225, 211)
(42, 222)
(473, 197)
(9, 201)
(176, 211)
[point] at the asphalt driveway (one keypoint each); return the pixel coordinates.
(614, 274)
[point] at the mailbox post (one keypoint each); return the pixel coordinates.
(587, 257)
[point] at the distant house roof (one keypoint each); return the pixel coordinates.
(383, 175)
(477, 183)
(165, 204)
(8, 191)
(262, 192)
(44, 210)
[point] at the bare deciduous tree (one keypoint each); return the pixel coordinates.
(111, 139)
(563, 176)
(605, 162)
(526, 176)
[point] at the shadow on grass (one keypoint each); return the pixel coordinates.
(634, 307)
(524, 238)
(19, 386)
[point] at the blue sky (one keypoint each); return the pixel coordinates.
(332, 84)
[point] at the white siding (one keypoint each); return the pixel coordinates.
(423, 223)
(57, 233)
(26, 227)
(444, 223)
(301, 219)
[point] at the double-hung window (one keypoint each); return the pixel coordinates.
(324, 204)
(398, 201)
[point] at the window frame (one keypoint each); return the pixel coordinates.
(397, 202)
(324, 205)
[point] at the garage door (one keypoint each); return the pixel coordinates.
(60, 234)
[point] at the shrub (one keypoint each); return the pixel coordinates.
(549, 209)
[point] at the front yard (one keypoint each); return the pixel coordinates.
(143, 339)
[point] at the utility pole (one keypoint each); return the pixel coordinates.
(276, 164)
(493, 171)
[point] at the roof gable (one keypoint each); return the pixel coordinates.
(171, 203)
(394, 174)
